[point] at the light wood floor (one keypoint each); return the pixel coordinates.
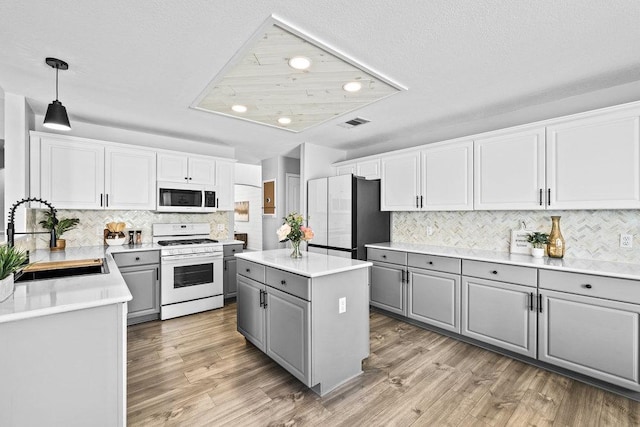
(197, 370)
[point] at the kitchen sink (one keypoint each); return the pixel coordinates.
(57, 269)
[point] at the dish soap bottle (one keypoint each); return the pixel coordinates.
(556, 244)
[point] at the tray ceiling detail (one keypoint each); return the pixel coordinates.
(259, 84)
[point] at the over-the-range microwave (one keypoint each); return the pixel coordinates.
(177, 197)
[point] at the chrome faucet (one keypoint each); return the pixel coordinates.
(10, 226)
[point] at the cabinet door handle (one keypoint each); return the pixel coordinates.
(402, 276)
(157, 274)
(190, 178)
(416, 201)
(531, 301)
(549, 197)
(408, 277)
(283, 282)
(107, 200)
(540, 303)
(264, 302)
(186, 178)
(225, 265)
(541, 197)
(588, 286)
(261, 298)
(101, 199)
(420, 201)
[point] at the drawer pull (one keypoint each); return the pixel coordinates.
(137, 258)
(233, 250)
(494, 272)
(588, 286)
(384, 256)
(430, 263)
(283, 282)
(248, 271)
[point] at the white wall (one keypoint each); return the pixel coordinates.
(18, 119)
(248, 174)
(253, 228)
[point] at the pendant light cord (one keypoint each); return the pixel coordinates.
(57, 67)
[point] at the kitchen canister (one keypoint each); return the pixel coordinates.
(556, 244)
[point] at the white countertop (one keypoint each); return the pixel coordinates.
(574, 265)
(310, 265)
(43, 297)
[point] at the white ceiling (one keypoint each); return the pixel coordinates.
(469, 66)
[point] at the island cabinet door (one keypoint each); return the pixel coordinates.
(434, 298)
(288, 333)
(388, 287)
(501, 314)
(251, 312)
(593, 336)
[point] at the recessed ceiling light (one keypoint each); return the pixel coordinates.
(299, 62)
(239, 108)
(352, 86)
(284, 120)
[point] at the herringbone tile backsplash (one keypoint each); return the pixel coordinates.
(92, 223)
(588, 234)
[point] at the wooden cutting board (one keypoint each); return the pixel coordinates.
(58, 265)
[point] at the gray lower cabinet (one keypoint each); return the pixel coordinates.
(287, 329)
(434, 298)
(229, 281)
(499, 305)
(251, 319)
(141, 272)
(583, 328)
(501, 314)
(388, 287)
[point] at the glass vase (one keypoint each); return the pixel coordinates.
(296, 249)
(556, 244)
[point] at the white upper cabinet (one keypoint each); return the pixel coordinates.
(400, 182)
(225, 179)
(368, 169)
(346, 169)
(75, 173)
(509, 171)
(447, 177)
(71, 173)
(176, 167)
(130, 178)
(594, 163)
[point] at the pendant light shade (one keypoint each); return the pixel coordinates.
(56, 117)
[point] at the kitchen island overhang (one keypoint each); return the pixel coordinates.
(310, 315)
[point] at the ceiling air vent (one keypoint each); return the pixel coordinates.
(354, 122)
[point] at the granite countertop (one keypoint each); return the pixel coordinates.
(573, 265)
(310, 265)
(49, 296)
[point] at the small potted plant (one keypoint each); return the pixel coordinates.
(63, 225)
(11, 260)
(538, 240)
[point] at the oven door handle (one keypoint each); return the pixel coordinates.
(188, 259)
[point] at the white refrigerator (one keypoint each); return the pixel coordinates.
(344, 213)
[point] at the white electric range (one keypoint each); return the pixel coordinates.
(191, 269)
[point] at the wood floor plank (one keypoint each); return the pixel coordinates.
(198, 371)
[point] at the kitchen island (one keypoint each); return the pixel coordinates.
(310, 315)
(63, 357)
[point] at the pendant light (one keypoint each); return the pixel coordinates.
(56, 117)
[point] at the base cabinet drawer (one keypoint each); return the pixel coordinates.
(251, 270)
(434, 298)
(385, 255)
(501, 314)
(388, 288)
(593, 336)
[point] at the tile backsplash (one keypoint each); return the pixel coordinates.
(588, 234)
(92, 223)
